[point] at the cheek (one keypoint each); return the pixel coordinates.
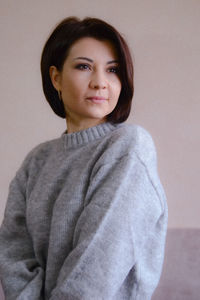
(77, 84)
(72, 89)
(117, 88)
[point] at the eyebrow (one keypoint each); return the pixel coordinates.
(90, 60)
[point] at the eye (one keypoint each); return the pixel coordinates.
(83, 67)
(114, 70)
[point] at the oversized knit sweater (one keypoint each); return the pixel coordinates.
(85, 219)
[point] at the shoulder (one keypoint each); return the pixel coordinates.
(130, 148)
(136, 143)
(133, 140)
(42, 149)
(38, 155)
(134, 133)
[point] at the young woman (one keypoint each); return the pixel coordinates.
(86, 215)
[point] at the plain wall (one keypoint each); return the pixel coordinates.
(164, 39)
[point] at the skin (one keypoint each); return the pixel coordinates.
(89, 83)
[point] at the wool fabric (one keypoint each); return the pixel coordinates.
(86, 218)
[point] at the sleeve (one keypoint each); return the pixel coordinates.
(21, 274)
(121, 227)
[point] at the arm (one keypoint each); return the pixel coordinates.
(120, 229)
(21, 275)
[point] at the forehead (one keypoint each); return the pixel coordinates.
(93, 48)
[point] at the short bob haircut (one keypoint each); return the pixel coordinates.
(57, 48)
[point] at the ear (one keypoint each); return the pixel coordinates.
(55, 76)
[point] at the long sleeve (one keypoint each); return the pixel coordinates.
(21, 274)
(119, 237)
(85, 219)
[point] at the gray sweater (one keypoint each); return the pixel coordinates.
(86, 218)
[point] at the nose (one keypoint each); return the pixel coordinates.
(98, 80)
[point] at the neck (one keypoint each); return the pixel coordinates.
(78, 125)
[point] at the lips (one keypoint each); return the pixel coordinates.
(96, 99)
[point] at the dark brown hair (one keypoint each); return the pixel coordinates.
(57, 48)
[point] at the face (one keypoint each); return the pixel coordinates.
(89, 81)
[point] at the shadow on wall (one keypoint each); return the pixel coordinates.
(180, 278)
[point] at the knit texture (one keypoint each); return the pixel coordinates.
(86, 218)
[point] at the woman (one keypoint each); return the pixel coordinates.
(86, 215)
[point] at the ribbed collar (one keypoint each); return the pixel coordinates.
(88, 135)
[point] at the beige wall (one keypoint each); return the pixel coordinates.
(164, 37)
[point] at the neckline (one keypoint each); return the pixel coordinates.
(88, 135)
